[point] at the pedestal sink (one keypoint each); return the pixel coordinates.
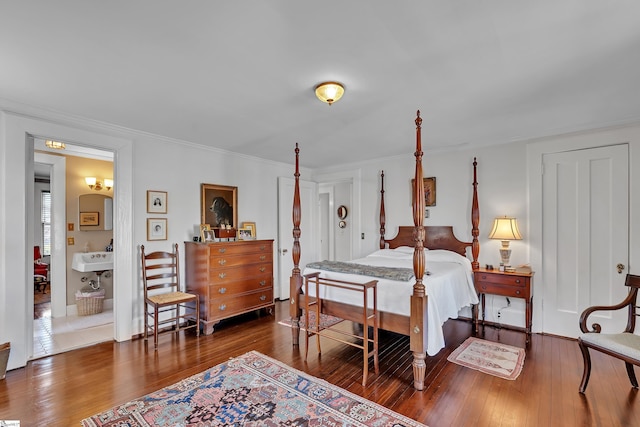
(92, 261)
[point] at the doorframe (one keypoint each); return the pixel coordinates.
(16, 131)
(535, 150)
(58, 275)
(355, 178)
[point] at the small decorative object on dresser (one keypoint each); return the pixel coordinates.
(156, 202)
(231, 278)
(251, 226)
(244, 234)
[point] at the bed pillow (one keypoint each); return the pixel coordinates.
(390, 253)
(406, 249)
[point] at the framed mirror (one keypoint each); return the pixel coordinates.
(342, 212)
(95, 212)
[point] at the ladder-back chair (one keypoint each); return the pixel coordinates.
(624, 345)
(162, 294)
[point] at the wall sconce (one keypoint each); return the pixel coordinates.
(98, 185)
(55, 144)
(505, 229)
(329, 92)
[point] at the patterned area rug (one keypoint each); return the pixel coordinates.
(250, 390)
(497, 359)
(326, 321)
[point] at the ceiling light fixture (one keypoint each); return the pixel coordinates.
(329, 92)
(55, 144)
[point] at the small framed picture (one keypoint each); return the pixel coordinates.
(204, 228)
(156, 201)
(251, 226)
(208, 236)
(244, 234)
(89, 218)
(156, 229)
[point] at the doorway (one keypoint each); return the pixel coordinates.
(56, 327)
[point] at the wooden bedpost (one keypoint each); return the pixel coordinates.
(418, 325)
(295, 282)
(383, 218)
(475, 220)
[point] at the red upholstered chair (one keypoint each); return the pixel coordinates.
(40, 270)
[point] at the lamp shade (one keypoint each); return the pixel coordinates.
(505, 229)
(329, 92)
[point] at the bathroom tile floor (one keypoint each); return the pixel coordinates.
(57, 335)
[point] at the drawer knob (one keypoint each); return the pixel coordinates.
(263, 282)
(222, 250)
(223, 307)
(263, 297)
(518, 292)
(517, 280)
(263, 269)
(222, 261)
(263, 257)
(222, 275)
(263, 247)
(484, 288)
(484, 277)
(223, 290)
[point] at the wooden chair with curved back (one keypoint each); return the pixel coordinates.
(624, 345)
(162, 294)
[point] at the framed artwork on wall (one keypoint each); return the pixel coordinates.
(219, 206)
(156, 202)
(429, 190)
(89, 218)
(156, 229)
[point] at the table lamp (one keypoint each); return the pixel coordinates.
(505, 229)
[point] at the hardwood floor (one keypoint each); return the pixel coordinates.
(63, 389)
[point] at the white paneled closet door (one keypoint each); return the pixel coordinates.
(585, 236)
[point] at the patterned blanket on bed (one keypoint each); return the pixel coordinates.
(391, 273)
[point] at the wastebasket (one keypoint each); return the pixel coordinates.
(89, 301)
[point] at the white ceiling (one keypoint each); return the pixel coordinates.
(239, 75)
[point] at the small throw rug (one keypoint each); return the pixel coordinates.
(493, 358)
(326, 321)
(250, 390)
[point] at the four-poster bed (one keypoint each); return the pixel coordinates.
(423, 308)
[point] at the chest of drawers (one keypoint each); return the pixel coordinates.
(231, 278)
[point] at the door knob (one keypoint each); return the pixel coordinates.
(620, 267)
(284, 251)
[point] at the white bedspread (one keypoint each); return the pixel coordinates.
(448, 281)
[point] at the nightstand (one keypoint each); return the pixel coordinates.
(512, 285)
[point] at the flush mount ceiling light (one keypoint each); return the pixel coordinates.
(329, 92)
(54, 144)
